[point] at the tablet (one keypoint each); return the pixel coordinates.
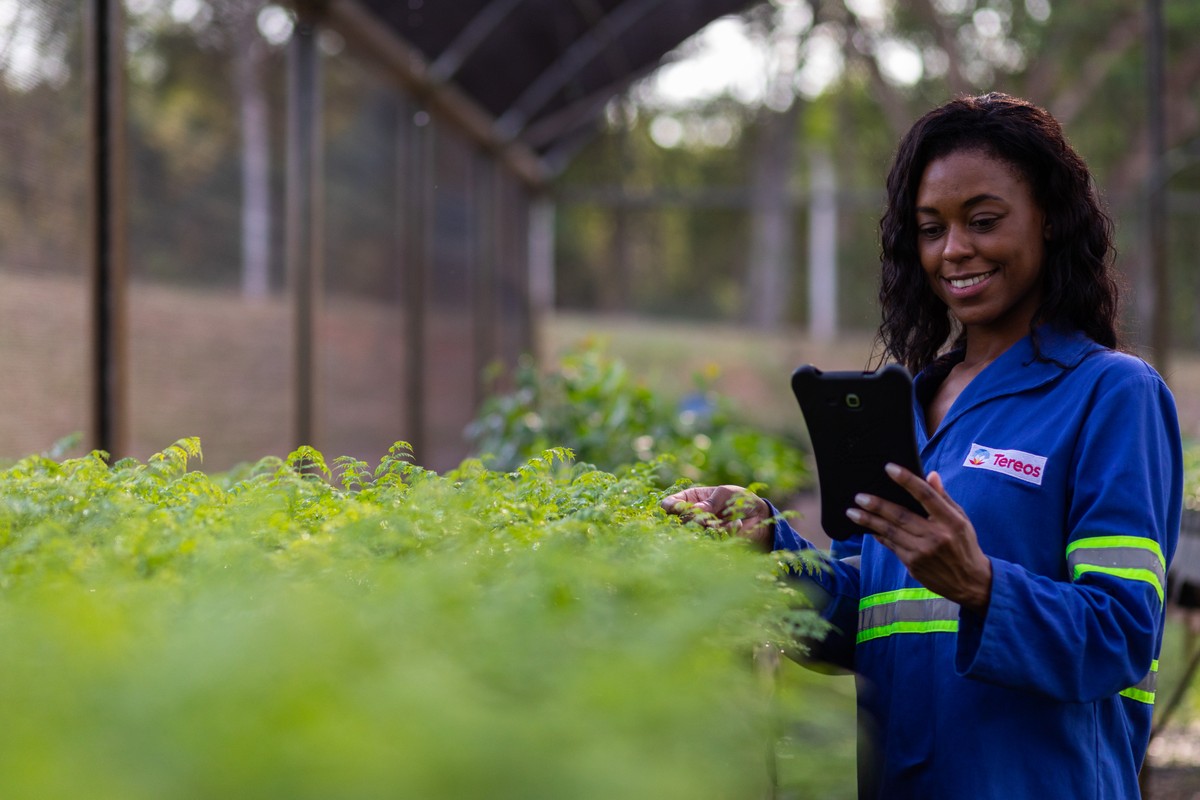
(858, 422)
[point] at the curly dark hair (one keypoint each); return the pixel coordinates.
(1079, 290)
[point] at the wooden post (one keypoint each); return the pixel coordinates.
(303, 219)
(107, 222)
(418, 216)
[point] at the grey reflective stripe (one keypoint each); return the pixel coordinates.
(1123, 557)
(853, 561)
(1144, 690)
(927, 615)
(907, 611)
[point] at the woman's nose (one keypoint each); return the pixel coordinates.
(958, 244)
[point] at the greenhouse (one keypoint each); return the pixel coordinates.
(355, 228)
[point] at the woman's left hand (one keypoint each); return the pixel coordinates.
(942, 551)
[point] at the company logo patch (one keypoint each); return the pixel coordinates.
(1016, 463)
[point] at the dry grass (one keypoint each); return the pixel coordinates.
(205, 363)
(755, 366)
(208, 364)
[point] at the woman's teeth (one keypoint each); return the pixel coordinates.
(965, 282)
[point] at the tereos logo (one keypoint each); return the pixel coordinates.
(1026, 467)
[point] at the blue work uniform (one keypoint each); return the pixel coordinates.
(1066, 457)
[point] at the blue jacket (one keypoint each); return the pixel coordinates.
(1067, 458)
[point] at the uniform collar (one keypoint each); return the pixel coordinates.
(1037, 359)
(1052, 346)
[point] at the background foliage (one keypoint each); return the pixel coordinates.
(666, 225)
(591, 403)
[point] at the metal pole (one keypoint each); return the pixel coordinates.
(418, 216)
(1156, 218)
(107, 215)
(1156, 201)
(304, 218)
(484, 281)
(541, 267)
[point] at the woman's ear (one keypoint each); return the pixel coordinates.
(1047, 232)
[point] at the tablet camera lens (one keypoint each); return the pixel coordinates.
(853, 400)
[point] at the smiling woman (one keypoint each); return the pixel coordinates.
(1031, 593)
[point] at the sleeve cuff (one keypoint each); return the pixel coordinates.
(982, 638)
(783, 536)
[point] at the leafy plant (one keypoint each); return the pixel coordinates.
(592, 404)
(1191, 475)
(313, 628)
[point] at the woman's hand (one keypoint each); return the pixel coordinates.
(941, 552)
(730, 508)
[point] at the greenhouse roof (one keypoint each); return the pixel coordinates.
(528, 78)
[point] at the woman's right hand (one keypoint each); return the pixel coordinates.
(730, 508)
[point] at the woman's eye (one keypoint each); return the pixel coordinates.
(930, 231)
(983, 223)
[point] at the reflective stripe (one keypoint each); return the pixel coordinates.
(1143, 692)
(905, 611)
(879, 599)
(1130, 557)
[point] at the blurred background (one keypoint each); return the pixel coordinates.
(270, 223)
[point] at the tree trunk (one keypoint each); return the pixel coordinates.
(615, 290)
(250, 54)
(771, 258)
(822, 247)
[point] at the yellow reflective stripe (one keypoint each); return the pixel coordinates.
(1140, 542)
(913, 610)
(919, 593)
(1129, 573)
(908, 626)
(1144, 691)
(1139, 695)
(1137, 558)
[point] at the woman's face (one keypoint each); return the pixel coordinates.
(981, 238)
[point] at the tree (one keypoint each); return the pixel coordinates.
(43, 178)
(187, 61)
(234, 28)
(1085, 63)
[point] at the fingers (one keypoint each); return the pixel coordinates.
(935, 480)
(892, 523)
(930, 492)
(682, 502)
(940, 551)
(698, 499)
(717, 506)
(887, 521)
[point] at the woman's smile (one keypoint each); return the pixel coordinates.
(962, 286)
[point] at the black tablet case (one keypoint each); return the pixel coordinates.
(858, 422)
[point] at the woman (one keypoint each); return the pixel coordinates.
(1007, 644)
